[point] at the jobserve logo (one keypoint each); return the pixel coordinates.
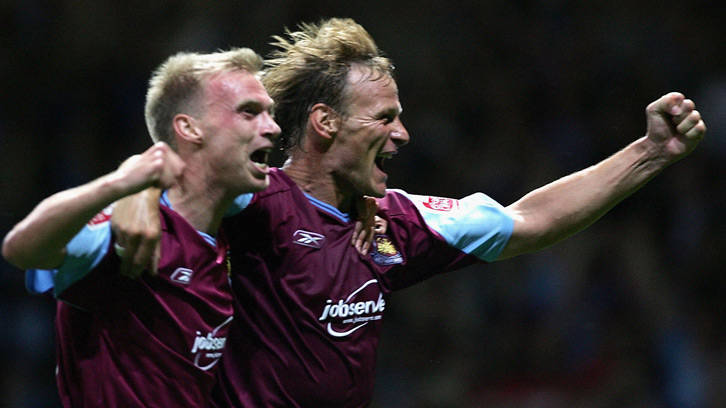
(355, 311)
(207, 348)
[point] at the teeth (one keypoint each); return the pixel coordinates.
(260, 157)
(385, 155)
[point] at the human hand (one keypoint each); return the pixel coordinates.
(159, 166)
(135, 219)
(381, 225)
(136, 225)
(366, 226)
(674, 125)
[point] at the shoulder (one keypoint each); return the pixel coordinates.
(279, 183)
(475, 224)
(396, 202)
(400, 203)
(281, 199)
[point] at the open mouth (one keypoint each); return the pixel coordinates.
(381, 159)
(261, 158)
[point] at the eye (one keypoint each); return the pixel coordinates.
(249, 109)
(389, 115)
(387, 118)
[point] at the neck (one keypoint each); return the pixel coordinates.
(313, 178)
(197, 200)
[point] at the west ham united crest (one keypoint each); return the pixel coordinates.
(384, 252)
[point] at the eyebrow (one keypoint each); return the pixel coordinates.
(391, 110)
(254, 103)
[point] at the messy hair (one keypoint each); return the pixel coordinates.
(312, 67)
(178, 83)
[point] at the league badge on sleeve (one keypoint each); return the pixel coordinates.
(100, 218)
(440, 204)
(384, 252)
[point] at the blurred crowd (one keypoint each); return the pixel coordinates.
(499, 97)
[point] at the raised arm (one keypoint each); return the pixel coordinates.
(39, 240)
(557, 210)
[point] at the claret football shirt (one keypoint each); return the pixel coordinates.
(309, 307)
(146, 342)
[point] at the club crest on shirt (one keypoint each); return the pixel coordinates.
(440, 204)
(100, 218)
(384, 252)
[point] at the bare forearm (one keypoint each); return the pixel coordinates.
(39, 240)
(557, 210)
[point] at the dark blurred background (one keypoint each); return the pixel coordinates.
(499, 97)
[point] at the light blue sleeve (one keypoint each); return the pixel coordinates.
(83, 253)
(86, 250)
(39, 281)
(476, 224)
(239, 204)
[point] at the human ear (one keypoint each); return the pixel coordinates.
(186, 128)
(324, 120)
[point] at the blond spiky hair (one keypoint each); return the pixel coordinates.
(312, 67)
(175, 87)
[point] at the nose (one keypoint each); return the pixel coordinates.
(270, 128)
(400, 135)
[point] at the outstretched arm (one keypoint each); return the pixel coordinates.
(551, 213)
(39, 240)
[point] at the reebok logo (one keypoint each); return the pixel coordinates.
(308, 239)
(182, 275)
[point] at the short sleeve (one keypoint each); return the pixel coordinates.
(476, 224)
(83, 253)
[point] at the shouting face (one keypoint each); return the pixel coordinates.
(370, 133)
(239, 130)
